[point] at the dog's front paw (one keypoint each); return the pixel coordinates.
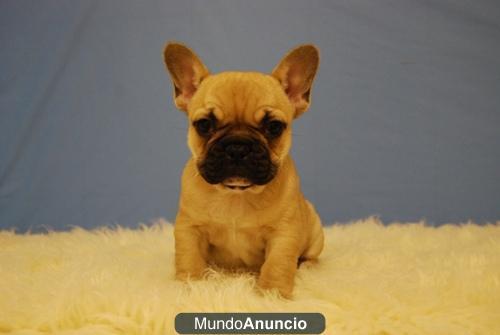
(189, 268)
(272, 278)
(189, 275)
(284, 289)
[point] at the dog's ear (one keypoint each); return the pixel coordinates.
(186, 70)
(296, 73)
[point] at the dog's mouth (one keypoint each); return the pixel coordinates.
(237, 163)
(239, 184)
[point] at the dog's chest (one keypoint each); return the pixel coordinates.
(235, 245)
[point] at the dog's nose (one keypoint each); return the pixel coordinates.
(237, 150)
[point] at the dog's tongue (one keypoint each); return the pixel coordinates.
(237, 182)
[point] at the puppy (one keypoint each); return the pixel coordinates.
(241, 205)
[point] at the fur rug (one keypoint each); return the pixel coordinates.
(371, 279)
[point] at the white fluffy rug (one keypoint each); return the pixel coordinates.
(371, 279)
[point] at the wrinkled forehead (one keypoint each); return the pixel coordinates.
(240, 97)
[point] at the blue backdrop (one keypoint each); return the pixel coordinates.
(404, 123)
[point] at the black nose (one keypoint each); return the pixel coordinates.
(237, 150)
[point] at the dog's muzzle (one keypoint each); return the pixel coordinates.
(237, 157)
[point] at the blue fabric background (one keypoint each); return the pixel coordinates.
(404, 123)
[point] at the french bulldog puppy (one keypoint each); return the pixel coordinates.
(240, 204)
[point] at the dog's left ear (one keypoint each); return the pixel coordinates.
(296, 73)
(186, 70)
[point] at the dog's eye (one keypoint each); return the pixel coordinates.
(203, 126)
(275, 128)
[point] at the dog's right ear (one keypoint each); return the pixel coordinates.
(186, 70)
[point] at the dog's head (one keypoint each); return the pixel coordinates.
(240, 122)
